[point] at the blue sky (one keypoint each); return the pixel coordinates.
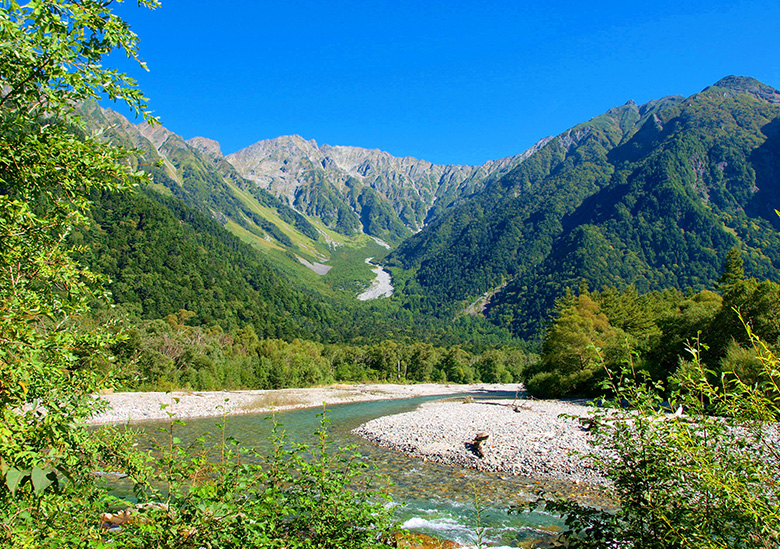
(449, 82)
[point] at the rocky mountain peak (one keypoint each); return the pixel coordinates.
(748, 86)
(207, 146)
(279, 149)
(156, 134)
(307, 175)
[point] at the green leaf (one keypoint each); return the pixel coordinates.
(14, 477)
(42, 479)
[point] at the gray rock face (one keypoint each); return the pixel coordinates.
(413, 188)
(207, 146)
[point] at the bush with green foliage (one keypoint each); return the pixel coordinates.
(217, 494)
(695, 470)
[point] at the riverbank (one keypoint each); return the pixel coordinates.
(530, 438)
(132, 407)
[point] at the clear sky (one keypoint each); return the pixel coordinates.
(449, 82)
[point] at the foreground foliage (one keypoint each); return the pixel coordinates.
(217, 494)
(50, 54)
(697, 471)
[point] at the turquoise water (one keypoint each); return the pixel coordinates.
(428, 498)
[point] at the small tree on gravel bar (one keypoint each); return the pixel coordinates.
(50, 55)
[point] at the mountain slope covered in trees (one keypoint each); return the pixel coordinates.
(163, 257)
(652, 195)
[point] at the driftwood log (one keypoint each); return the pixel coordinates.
(479, 438)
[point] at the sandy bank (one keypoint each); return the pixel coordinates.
(124, 407)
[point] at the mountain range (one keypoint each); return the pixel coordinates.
(325, 181)
(652, 195)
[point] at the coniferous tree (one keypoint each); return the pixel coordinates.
(733, 269)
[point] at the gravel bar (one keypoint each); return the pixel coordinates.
(531, 438)
(132, 407)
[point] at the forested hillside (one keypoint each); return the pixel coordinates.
(162, 256)
(652, 195)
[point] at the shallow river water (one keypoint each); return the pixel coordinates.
(432, 499)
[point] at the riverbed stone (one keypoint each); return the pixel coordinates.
(538, 438)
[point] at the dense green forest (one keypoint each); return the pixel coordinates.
(652, 196)
(162, 256)
(167, 354)
(597, 332)
(591, 333)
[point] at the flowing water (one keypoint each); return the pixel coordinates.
(432, 499)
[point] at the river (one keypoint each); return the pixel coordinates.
(432, 499)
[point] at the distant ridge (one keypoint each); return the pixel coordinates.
(313, 178)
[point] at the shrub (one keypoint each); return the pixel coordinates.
(699, 470)
(225, 496)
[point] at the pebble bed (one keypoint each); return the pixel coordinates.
(531, 438)
(131, 407)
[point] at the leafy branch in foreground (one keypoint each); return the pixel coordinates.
(229, 496)
(50, 53)
(704, 475)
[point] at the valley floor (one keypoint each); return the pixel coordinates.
(131, 407)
